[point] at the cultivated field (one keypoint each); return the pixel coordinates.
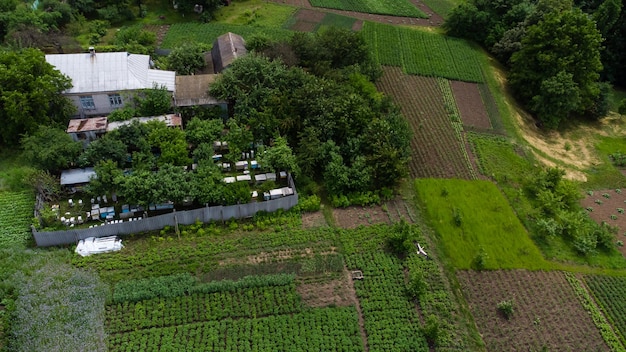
(470, 104)
(206, 33)
(608, 206)
(307, 20)
(384, 7)
(16, 214)
(473, 217)
(547, 315)
(437, 150)
(609, 293)
(423, 53)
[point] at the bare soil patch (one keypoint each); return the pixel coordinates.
(547, 312)
(302, 26)
(275, 256)
(313, 220)
(335, 292)
(470, 104)
(608, 205)
(352, 217)
(433, 21)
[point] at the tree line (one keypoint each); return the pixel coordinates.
(562, 55)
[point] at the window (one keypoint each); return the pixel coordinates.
(86, 101)
(115, 100)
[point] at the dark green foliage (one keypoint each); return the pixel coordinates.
(554, 77)
(108, 178)
(105, 148)
(123, 114)
(432, 330)
(155, 101)
(309, 204)
(278, 157)
(135, 40)
(162, 286)
(186, 59)
(198, 131)
(170, 142)
(622, 107)
(417, 283)
(480, 260)
(30, 94)
(51, 149)
(618, 159)
(401, 237)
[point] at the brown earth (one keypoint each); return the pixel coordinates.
(352, 217)
(470, 104)
(313, 220)
(335, 292)
(436, 149)
(608, 207)
(433, 21)
(547, 312)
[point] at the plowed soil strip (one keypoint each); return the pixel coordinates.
(436, 149)
(470, 104)
(546, 312)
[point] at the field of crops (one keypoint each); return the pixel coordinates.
(16, 214)
(181, 33)
(247, 319)
(546, 314)
(385, 7)
(423, 53)
(609, 292)
(473, 217)
(437, 148)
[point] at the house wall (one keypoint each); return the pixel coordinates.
(101, 101)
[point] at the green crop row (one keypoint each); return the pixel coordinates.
(609, 292)
(16, 213)
(387, 312)
(325, 329)
(424, 53)
(192, 32)
(381, 7)
(599, 285)
(199, 307)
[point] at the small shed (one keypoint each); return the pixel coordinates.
(77, 177)
(226, 49)
(87, 130)
(193, 90)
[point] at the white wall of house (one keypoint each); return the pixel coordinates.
(102, 104)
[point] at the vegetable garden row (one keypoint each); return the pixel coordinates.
(609, 292)
(384, 7)
(16, 214)
(436, 149)
(423, 53)
(193, 32)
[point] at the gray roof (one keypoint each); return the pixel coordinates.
(226, 49)
(194, 90)
(110, 72)
(77, 176)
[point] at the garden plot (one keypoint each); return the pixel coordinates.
(352, 217)
(470, 104)
(608, 206)
(437, 150)
(546, 312)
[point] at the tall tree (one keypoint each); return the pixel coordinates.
(30, 94)
(560, 57)
(51, 149)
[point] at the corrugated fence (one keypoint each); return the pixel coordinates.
(188, 217)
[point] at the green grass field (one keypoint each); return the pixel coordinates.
(255, 13)
(485, 220)
(424, 53)
(208, 32)
(442, 7)
(381, 7)
(605, 174)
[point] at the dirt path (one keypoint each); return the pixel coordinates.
(357, 304)
(433, 21)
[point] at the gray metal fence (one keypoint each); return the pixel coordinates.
(204, 215)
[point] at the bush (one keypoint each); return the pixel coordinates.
(480, 260)
(417, 283)
(432, 331)
(506, 308)
(622, 107)
(123, 114)
(401, 237)
(311, 203)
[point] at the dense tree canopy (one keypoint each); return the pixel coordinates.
(51, 149)
(342, 108)
(30, 94)
(554, 51)
(557, 69)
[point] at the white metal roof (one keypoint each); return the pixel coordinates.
(110, 72)
(76, 176)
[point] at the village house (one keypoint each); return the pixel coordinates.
(102, 82)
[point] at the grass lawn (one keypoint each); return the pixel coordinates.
(381, 7)
(255, 12)
(604, 174)
(485, 220)
(442, 7)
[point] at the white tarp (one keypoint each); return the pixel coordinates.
(93, 245)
